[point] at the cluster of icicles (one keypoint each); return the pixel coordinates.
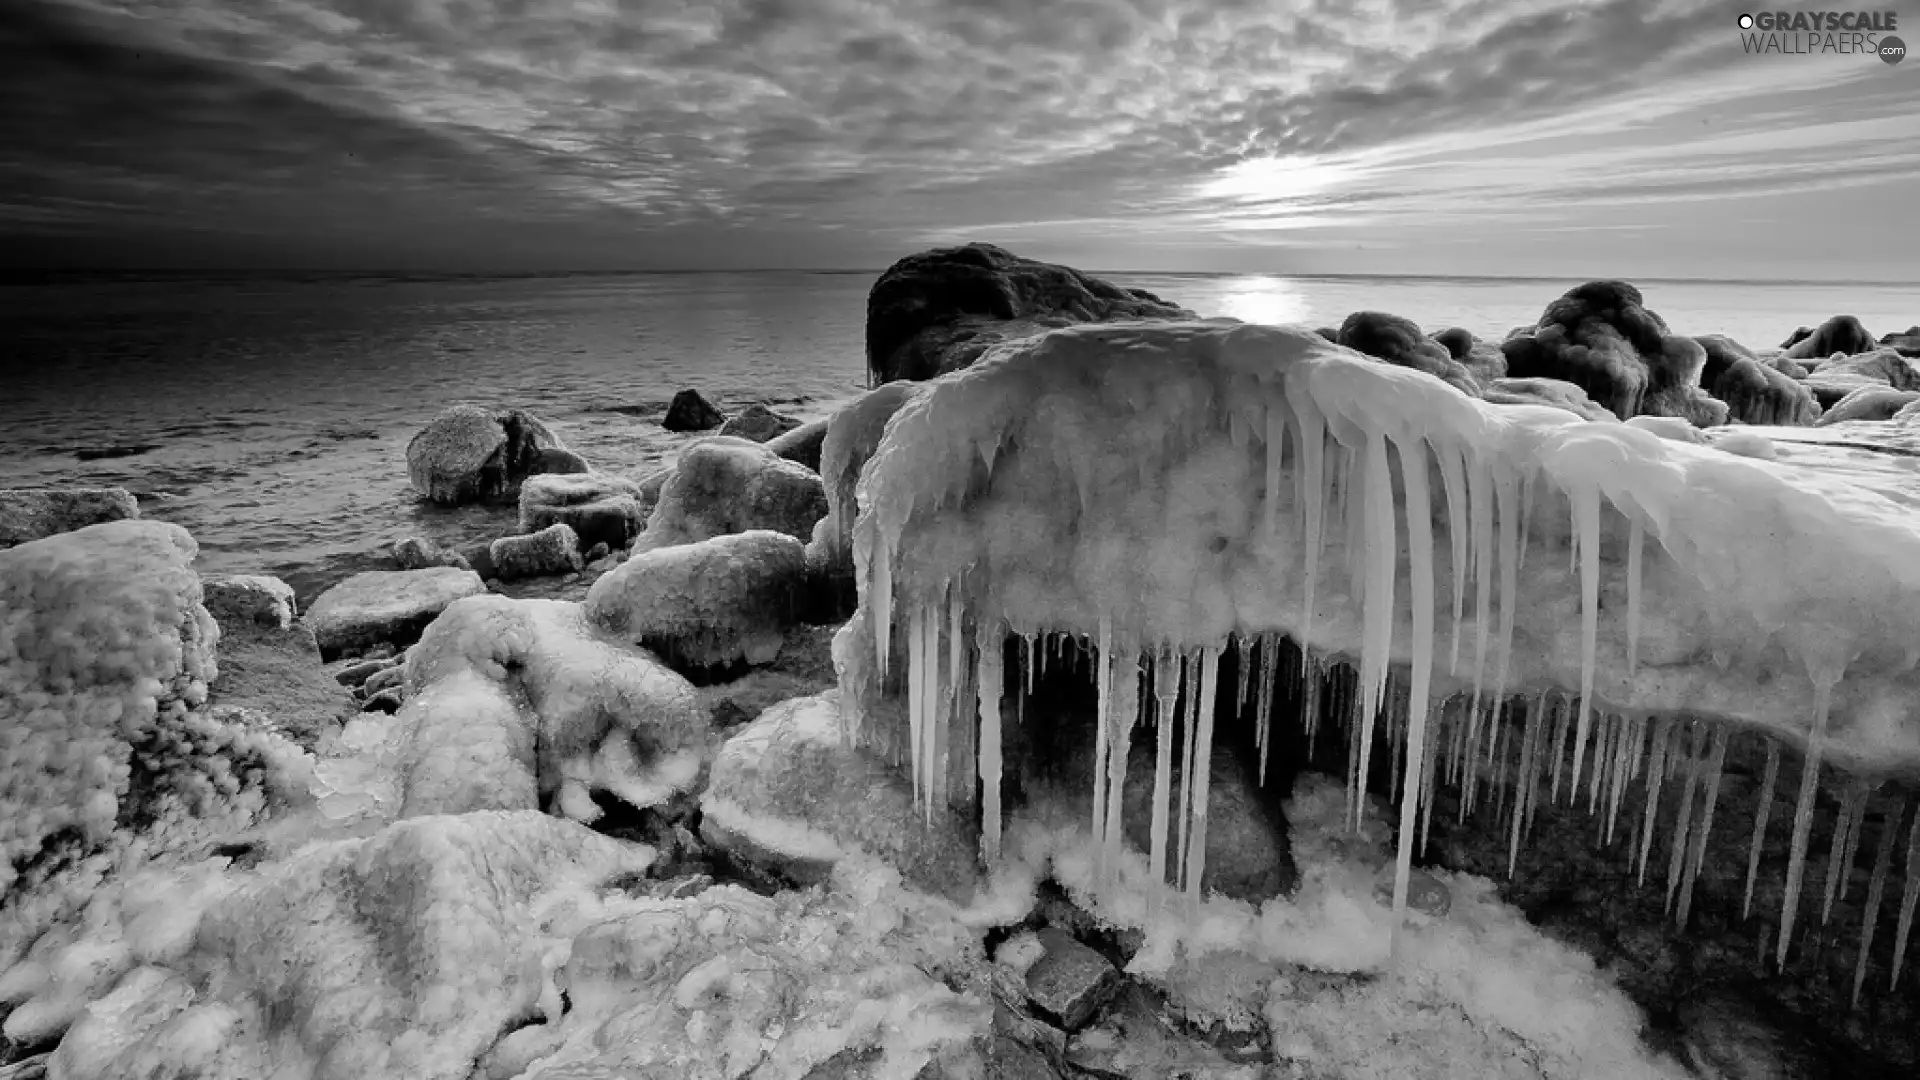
(1343, 477)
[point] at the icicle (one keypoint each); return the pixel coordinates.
(1276, 443)
(1312, 480)
(1662, 734)
(1761, 813)
(1716, 762)
(1803, 815)
(1124, 712)
(1103, 727)
(1269, 666)
(1453, 478)
(958, 743)
(1310, 697)
(1480, 495)
(1882, 858)
(1853, 840)
(1436, 719)
(1632, 735)
(1203, 758)
(1244, 645)
(988, 676)
(1840, 851)
(1908, 901)
(1192, 699)
(1677, 859)
(1377, 606)
(1586, 522)
(1636, 539)
(1413, 472)
(916, 697)
(931, 735)
(1027, 640)
(1166, 691)
(881, 594)
(1523, 786)
(1510, 552)
(1559, 758)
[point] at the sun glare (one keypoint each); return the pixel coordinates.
(1276, 179)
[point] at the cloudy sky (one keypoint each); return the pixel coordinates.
(1629, 137)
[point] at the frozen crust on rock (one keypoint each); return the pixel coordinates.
(713, 602)
(723, 485)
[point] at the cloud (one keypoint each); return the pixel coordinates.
(648, 131)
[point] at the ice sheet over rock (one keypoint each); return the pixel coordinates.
(719, 600)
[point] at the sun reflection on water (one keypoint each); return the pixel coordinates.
(1261, 298)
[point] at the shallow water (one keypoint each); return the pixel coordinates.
(270, 416)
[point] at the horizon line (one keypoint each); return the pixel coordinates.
(9, 276)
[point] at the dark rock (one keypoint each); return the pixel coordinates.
(1840, 334)
(359, 671)
(1483, 359)
(1401, 342)
(802, 445)
(277, 672)
(1070, 983)
(387, 701)
(759, 424)
(937, 311)
(386, 678)
(478, 556)
(691, 412)
(1800, 334)
(1602, 338)
(1905, 342)
(36, 513)
(1756, 393)
(471, 454)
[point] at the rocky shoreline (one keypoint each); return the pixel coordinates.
(626, 725)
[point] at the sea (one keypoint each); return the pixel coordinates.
(269, 414)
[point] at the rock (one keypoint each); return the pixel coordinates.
(1401, 342)
(478, 555)
(359, 671)
(553, 550)
(387, 607)
(36, 513)
(801, 445)
(1757, 393)
(937, 311)
(385, 679)
(787, 792)
(1070, 982)
(420, 553)
(276, 672)
(722, 486)
(512, 704)
(236, 600)
(1869, 403)
(471, 454)
(757, 423)
(1840, 334)
(387, 701)
(691, 412)
(599, 508)
(717, 601)
(1425, 892)
(1905, 342)
(1840, 376)
(1553, 392)
(1483, 359)
(1800, 334)
(1601, 337)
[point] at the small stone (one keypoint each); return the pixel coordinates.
(1425, 893)
(419, 553)
(757, 423)
(358, 672)
(691, 412)
(387, 701)
(388, 676)
(251, 599)
(1071, 982)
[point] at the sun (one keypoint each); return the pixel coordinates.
(1277, 179)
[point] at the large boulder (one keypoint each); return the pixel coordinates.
(471, 454)
(757, 423)
(939, 310)
(36, 513)
(789, 794)
(600, 508)
(1905, 342)
(1483, 359)
(1602, 338)
(801, 445)
(1401, 342)
(386, 607)
(1869, 403)
(723, 485)
(1842, 375)
(719, 601)
(1840, 334)
(269, 665)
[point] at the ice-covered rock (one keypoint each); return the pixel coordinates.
(721, 486)
(1755, 391)
(36, 513)
(1840, 334)
(1841, 376)
(1400, 341)
(236, 600)
(388, 607)
(553, 550)
(600, 508)
(1905, 342)
(940, 310)
(757, 423)
(512, 703)
(787, 792)
(853, 433)
(421, 553)
(1557, 393)
(801, 445)
(1869, 403)
(473, 454)
(718, 601)
(1601, 337)
(1069, 981)
(1483, 359)
(691, 412)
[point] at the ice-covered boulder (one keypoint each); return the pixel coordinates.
(600, 508)
(853, 433)
(723, 485)
(1905, 342)
(1401, 341)
(717, 601)
(691, 412)
(386, 607)
(473, 454)
(940, 310)
(411, 953)
(1601, 337)
(35, 513)
(801, 445)
(1842, 375)
(236, 600)
(515, 703)
(1869, 403)
(552, 550)
(1840, 334)
(1556, 393)
(757, 423)
(787, 792)
(1483, 359)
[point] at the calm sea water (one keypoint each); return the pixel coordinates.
(271, 417)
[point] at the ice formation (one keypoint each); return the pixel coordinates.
(710, 602)
(1175, 490)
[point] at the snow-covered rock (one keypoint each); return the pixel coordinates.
(599, 507)
(388, 607)
(473, 454)
(725, 485)
(716, 601)
(757, 423)
(553, 550)
(248, 599)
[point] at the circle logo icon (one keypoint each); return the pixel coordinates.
(1892, 49)
(1746, 22)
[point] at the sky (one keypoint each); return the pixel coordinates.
(1631, 138)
